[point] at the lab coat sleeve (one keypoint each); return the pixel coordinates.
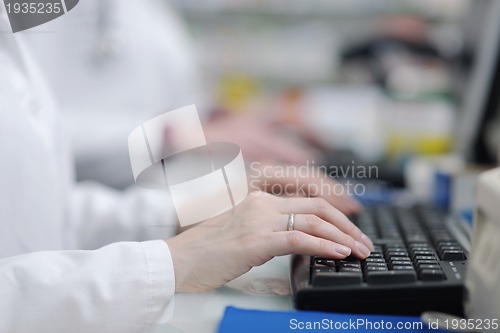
(122, 288)
(99, 215)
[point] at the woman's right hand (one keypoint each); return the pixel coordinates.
(220, 249)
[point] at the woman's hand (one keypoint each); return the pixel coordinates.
(258, 140)
(288, 181)
(265, 148)
(220, 249)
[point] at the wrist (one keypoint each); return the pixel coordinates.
(181, 266)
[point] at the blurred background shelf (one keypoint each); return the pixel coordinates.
(295, 42)
(368, 62)
(339, 9)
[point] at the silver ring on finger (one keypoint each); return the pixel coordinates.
(291, 222)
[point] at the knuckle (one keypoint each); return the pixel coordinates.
(322, 246)
(353, 230)
(321, 204)
(346, 239)
(313, 222)
(357, 233)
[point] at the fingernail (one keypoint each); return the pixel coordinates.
(344, 250)
(367, 241)
(362, 248)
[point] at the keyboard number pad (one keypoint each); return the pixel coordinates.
(393, 263)
(390, 264)
(426, 262)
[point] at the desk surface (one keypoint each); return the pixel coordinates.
(265, 287)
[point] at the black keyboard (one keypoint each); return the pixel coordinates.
(417, 266)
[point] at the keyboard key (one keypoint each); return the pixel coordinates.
(420, 258)
(450, 255)
(422, 245)
(401, 263)
(374, 260)
(423, 253)
(425, 262)
(350, 269)
(427, 266)
(349, 265)
(325, 262)
(397, 254)
(447, 243)
(400, 259)
(450, 247)
(442, 238)
(325, 279)
(376, 264)
(376, 268)
(324, 269)
(415, 249)
(403, 268)
(388, 277)
(431, 275)
(395, 247)
(415, 238)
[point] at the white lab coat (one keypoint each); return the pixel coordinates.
(113, 64)
(47, 284)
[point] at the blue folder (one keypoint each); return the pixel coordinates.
(252, 321)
